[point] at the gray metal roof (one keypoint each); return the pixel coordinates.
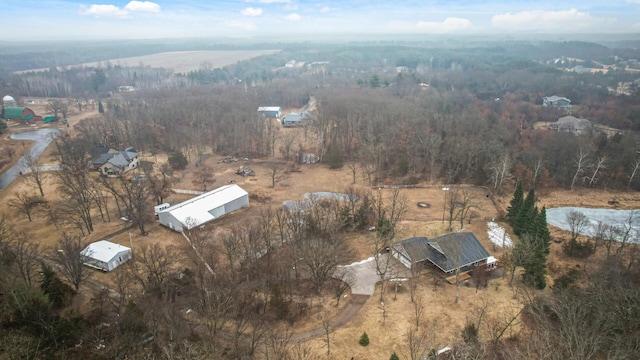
(123, 158)
(444, 251)
(103, 158)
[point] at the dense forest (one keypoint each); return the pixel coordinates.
(474, 112)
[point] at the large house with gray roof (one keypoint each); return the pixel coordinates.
(557, 102)
(447, 252)
(114, 165)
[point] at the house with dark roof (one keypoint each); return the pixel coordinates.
(117, 164)
(557, 102)
(447, 252)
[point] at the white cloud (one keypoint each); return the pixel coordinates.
(293, 17)
(103, 10)
(243, 25)
(450, 24)
(251, 11)
(633, 1)
(543, 20)
(142, 6)
(325, 9)
(107, 10)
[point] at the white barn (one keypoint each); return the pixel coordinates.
(105, 255)
(204, 208)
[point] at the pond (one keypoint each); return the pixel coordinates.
(41, 138)
(622, 218)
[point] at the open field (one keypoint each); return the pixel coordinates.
(179, 61)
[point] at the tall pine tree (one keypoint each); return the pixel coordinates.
(541, 230)
(535, 262)
(515, 204)
(526, 214)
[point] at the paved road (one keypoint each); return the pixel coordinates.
(41, 138)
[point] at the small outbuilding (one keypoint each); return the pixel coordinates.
(105, 255)
(292, 119)
(8, 100)
(270, 111)
(204, 208)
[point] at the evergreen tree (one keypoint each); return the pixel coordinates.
(524, 217)
(515, 204)
(56, 291)
(542, 230)
(535, 264)
(100, 107)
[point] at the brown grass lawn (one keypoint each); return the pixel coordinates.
(441, 314)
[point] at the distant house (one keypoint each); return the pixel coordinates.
(292, 119)
(105, 255)
(447, 252)
(117, 164)
(557, 102)
(269, 111)
(574, 125)
(204, 208)
(19, 113)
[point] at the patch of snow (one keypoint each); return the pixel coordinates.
(498, 235)
(358, 262)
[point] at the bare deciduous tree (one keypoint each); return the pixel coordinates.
(24, 203)
(578, 223)
(500, 172)
(151, 265)
(68, 255)
(581, 163)
(203, 176)
(599, 166)
(288, 138)
(35, 174)
(275, 172)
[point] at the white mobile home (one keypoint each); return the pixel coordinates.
(204, 208)
(105, 255)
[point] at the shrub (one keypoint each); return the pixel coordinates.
(394, 356)
(364, 339)
(565, 281)
(470, 333)
(334, 158)
(177, 160)
(578, 249)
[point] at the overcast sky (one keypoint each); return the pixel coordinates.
(111, 19)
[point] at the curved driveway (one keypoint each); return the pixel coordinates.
(41, 138)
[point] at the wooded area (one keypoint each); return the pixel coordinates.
(415, 114)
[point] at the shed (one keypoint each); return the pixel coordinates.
(292, 119)
(105, 255)
(447, 252)
(204, 208)
(270, 111)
